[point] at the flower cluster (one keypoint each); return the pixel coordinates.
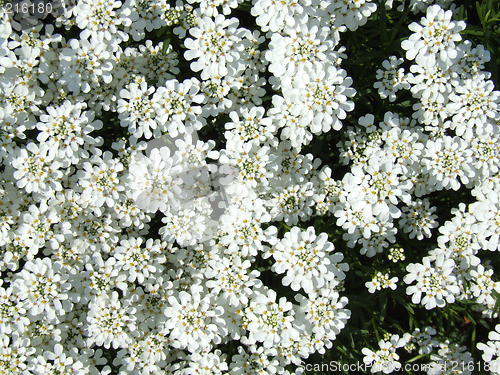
(163, 206)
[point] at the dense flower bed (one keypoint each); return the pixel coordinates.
(209, 187)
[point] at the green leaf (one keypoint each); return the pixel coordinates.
(479, 10)
(383, 310)
(351, 341)
(416, 358)
(470, 317)
(403, 302)
(486, 16)
(497, 303)
(479, 33)
(383, 24)
(473, 340)
(166, 44)
(484, 324)
(395, 31)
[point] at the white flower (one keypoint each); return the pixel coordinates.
(306, 259)
(402, 145)
(109, 322)
(450, 353)
(322, 98)
(216, 47)
(377, 242)
(153, 181)
(384, 189)
(384, 359)
(43, 288)
(15, 352)
(303, 49)
(274, 15)
(56, 361)
(483, 287)
(350, 14)
(486, 155)
(459, 239)
(135, 108)
(183, 255)
(10, 130)
(251, 126)
(193, 321)
(392, 79)
(252, 57)
(474, 106)
(325, 311)
(183, 16)
(381, 281)
(292, 203)
(93, 230)
(12, 313)
(247, 89)
(418, 219)
(139, 262)
(137, 357)
(104, 16)
(424, 339)
(270, 322)
(209, 7)
(434, 281)
(37, 169)
(68, 128)
(176, 112)
(193, 154)
(216, 95)
(243, 226)
(157, 63)
(487, 213)
(85, 65)
(356, 214)
(100, 277)
(373, 285)
(431, 110)
(396, 254)
(147, 15)
(255, 162)
(448, 160)
(431, 77)
(492, 349)
(99, 181)
(37, 227)
(21, 70)
(434, 37)
(231, 280)
(258, 360)
(471, 60)
(206, 363)
(185, 226)
(287, 117)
